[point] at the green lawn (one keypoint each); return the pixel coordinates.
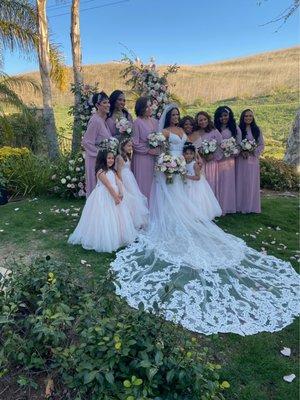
(275, 114)
(253, 365)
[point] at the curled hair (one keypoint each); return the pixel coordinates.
(141, 106)
(254, 127)
(210, 125)
(168, 117)
(123, 143)
(187, 118)
(113, 99)
(101, 161)
(231, 125)
(188, 146)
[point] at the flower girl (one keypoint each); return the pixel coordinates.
(197, 188)
(137, 202)
(106, 222)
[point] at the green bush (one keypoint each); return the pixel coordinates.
(277, 175)
(92, 344)
(23, 130)
(68, 177)
(26, 174)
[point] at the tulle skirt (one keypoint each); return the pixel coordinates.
(201, 277)
(201, 194)
(137, 202)
(104, 226)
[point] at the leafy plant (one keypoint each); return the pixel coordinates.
(277, 175)
(52, 320)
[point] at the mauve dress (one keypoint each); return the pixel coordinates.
(111, 123)
(97, 130)
(142, 161)
(227, 190)
(211, 168)
(248, 179)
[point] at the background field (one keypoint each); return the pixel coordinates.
(268, 83)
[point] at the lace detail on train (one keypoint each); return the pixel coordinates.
(201, 277)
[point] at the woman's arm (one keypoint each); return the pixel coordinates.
(218, 154)
(260, 145)
(139, 146)
(120, 187)
(103, 178)
(89, 138)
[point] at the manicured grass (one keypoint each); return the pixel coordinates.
(253, 364)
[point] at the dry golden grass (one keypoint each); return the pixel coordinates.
(241, 77)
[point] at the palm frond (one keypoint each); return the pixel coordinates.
(59, 71)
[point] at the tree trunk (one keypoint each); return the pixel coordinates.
(44, 65)
(77, 70)
(292, 156)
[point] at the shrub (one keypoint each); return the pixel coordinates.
(92, 344)
(277, 175)
(23, 172)
(23, 129)
(68, 176)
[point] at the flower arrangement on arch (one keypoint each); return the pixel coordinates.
(146, 81)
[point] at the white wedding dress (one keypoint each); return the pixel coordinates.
(201, 277)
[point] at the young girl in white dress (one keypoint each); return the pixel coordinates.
(137, 202)
(197, 188)
(106, 223)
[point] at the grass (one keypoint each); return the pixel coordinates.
(252, 364)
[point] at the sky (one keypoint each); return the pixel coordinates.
(171, 31)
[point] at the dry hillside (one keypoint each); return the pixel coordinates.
(241, 77)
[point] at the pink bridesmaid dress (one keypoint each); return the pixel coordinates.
(227, 190)
(248, 179)
(211, 168)
(97, 130)
(142, 161)
(111, 123)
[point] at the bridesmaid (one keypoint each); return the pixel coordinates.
(187, 123)
(143, 157)
(205, 130)
(97, 130)
(247, 167)
(226, 125)
(117, 110)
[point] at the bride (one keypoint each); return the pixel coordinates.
(199, 276)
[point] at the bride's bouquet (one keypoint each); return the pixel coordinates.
(156, 139)
(111, 144)
(208, 147)
(124, 126)
(229, 147)
(248, 145)
(171, 165)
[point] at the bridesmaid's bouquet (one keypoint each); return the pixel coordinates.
(124, 126)
(111, 144)
(229, 147)
(208, 147)
(248, 145)
(171, 165)
(156, 139)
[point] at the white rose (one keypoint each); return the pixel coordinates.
(68, 177)
(77, 169)
(248, 146)
(63, 181)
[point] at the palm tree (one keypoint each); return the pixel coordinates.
(19, 31)
(77, 71)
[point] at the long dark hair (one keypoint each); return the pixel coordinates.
(141, 106)
(231, 125)
(121, 149)
(101, 161)
(113, 99)
(210, 125)
(254, 127)
(168, 116)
